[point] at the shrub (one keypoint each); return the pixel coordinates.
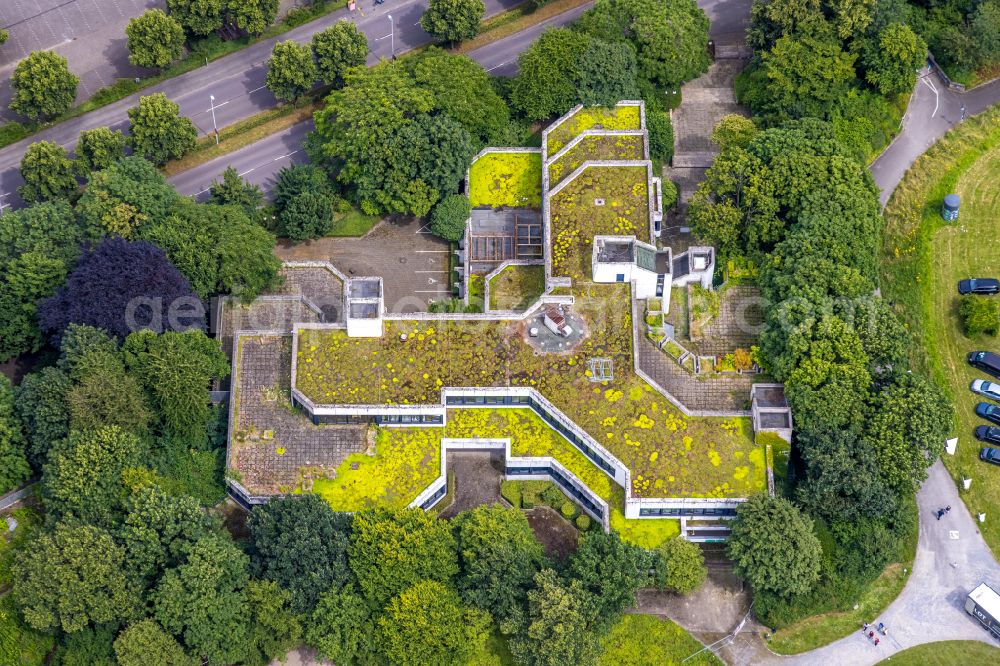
(568, 510)
(661, 136)
(511, 491)
(583, 522)
(680, 566)
(531, 493)
(980, 314)
(553, 497)
(448, 217)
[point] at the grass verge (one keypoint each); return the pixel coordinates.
(820, 630)
(240, 135)
(946, 653)
(200, 54)
(922, 251)
(520, 18)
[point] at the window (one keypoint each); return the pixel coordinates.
(620, 277)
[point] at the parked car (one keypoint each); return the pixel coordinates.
(979, 286)
(986, 361)
(990, 455)
(991, 413)
(988, 434)
(986, 388)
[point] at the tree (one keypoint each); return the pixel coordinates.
(14, 468)
(773, 547)
(300, 543)
(40, 402)
(217, 248)
(337, 49)
(559, 626)
(670, 37)
(159, 530)
(274, 628)
(462, 90)
(449, 217)
(43, 86)
(291, 71)
(680, 566)
(91, 646)
(427, 624)
(71, 577)
(610, 570)
(342, 628)
(295, 179)
(606, 73)
(805, 76)
(547, 74)
(234, 191)
(122, 287)
(98, 149)
(910, 420)
(252, 15)
(499, 557)
(159, 133)
(108, 396)
(771, 19)
(199, 17)
(176, 369)
(985, 23)
(125, 196)
(145, 642)
(892, 68)
(453, 20)
(84, 477)
(154, 39)
(204, 602)
(392, 550)
(47, 172)
(733, 130)
(980, 314)
(308, 215)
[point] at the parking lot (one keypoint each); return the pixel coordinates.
(412, 263)
(90, 34)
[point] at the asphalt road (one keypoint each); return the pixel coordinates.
(260, 162)
(933, 110)
(237, 80)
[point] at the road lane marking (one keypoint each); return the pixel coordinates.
(936, 99)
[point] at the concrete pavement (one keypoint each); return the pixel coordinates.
(90, 34)
(237, 80)
(260, 162)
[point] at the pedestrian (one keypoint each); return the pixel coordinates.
(864, 628)
(876, 642)
(871, 635)
(947, 509)
(940, 512)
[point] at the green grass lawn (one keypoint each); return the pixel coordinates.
(924, 259)
(946, 653)
(645, 640)
(517, 287)
(506, 179)
(353, 223)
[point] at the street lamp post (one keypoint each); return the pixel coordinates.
(392, 37)
(211, 99)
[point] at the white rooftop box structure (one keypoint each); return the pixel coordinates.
(364, 307)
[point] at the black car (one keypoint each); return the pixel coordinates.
(979, 286)
(990, 455)
(989, 434)
(985, 361)
(989, 412)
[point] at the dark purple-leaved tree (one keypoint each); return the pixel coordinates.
(123, 287)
